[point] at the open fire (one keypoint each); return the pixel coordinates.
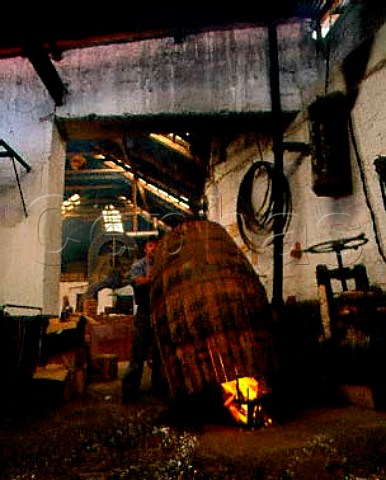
(243, 399)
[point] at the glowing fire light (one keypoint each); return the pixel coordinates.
(242, 398)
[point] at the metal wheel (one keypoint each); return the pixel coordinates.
(338, 245)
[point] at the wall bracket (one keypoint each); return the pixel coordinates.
(7, 151)
(380, 168)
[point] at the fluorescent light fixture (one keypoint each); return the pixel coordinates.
(143, 233)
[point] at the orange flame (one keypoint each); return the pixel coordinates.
(242, 399)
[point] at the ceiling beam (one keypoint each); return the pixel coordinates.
(47, 72)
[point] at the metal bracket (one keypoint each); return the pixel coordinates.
(380, 168)
(9, 152)
(300, 147)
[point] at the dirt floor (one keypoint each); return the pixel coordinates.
(96, 437)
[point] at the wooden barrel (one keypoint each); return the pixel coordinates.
(210, 311)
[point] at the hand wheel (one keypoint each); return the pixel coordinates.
(338, 245)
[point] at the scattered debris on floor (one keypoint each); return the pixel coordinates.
(95, 437)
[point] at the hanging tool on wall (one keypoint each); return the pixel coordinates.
(255, 216)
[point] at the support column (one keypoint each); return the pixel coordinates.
(277, 187)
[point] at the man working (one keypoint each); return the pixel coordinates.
(143, 341)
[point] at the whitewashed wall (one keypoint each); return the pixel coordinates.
(322, 218)
(221, 71)
(28, 244)
(214, 72)
(317, 219)
(369, 119)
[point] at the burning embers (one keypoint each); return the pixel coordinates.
(243, 398)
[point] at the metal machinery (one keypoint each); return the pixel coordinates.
(353, 319)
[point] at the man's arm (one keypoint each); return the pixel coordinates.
(139, 273)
